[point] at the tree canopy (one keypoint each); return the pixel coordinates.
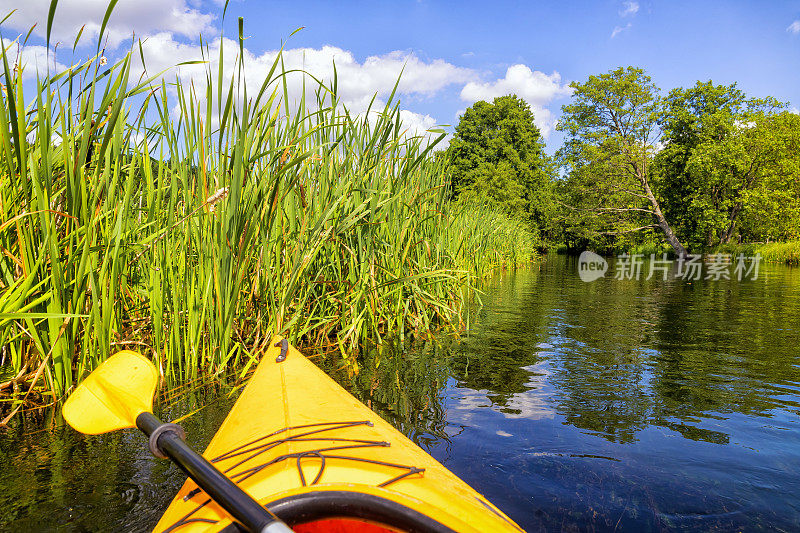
(497, 155)
(612, 134)
(720, 159)
(704, 166)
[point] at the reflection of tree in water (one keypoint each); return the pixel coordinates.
(507, 329)
(725, 347)
(55, 479)
(619, 355)
(600, 370)
(676, 353)
(404, 388)
(494, 368)
(612, 358)
(629, 354)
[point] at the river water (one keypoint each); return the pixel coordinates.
(615, 405)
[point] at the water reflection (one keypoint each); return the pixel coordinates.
(614, 405)
(623, 355)
(54, 479)
(625, 404)
(405, 387)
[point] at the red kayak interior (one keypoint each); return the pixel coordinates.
(340, 525)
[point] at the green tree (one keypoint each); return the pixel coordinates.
(771, 209)
(719, 147)
(612, 135)
(497, 154)
(603, 213)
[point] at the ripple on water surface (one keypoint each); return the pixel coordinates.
(616, 405)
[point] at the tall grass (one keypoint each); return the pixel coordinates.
(773, 252)
(196, 236)
(781, 252)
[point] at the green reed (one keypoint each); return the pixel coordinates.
(771, 252)
(781, 252)
(195, 236)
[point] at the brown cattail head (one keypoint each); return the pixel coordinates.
(221, 194)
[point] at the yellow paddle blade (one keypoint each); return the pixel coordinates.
(111, 398)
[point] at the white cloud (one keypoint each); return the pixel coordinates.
(33, 60)
(141, 16)
(169, 31)
(620, 29)
(794, 27)
(416, 123)
(535, 87)
(530, 405)
(358, 83)
(629, 9)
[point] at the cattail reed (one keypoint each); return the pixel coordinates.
(330, 228)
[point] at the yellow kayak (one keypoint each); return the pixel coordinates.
(301, 445)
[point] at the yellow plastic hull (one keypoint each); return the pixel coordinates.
(294, 431)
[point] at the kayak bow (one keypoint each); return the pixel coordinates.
(302, 446)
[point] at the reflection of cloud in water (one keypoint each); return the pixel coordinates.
(528, 406)
(532, 404)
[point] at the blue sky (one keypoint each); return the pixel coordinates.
(459, 52)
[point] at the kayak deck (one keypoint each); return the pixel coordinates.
(322, 461)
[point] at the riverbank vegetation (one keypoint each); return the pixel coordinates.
(703, 167)
(772, 252)
(497, 158)
(691, 171)
(192, 222)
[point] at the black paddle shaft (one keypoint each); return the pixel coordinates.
(244, 509)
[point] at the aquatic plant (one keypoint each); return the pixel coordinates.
(193, 221)
(772, 252)
(781, 252)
